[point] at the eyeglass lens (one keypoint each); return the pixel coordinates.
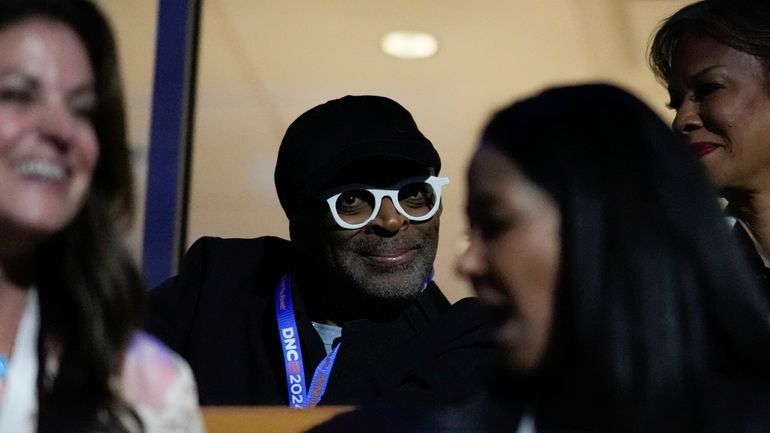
(356, 206)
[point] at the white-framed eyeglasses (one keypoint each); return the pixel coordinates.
(417, 198)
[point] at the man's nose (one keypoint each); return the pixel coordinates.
(388, 218)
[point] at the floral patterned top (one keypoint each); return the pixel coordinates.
(160, 386)
(156, 382)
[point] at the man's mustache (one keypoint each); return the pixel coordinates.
(367, 247)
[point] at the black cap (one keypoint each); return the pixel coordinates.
(332, 136)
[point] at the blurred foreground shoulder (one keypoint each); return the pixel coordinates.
(160, 386)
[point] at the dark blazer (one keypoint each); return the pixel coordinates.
(218, 313)
(753, 259)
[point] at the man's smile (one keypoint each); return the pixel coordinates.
(390, 258)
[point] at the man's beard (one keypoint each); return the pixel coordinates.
(396, 283)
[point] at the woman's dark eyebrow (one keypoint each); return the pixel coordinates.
(676, 90)
(84, 89)
(18, 73)
(704, 71)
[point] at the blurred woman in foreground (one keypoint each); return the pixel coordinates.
(624, 304)
(70, 298)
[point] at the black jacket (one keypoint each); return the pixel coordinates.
(752, 258)
(218, 313)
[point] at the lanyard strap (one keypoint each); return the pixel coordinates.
(321, 378)
(288, 335)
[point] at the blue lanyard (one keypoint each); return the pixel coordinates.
(3, 366)
(288, 335)
(299, 396)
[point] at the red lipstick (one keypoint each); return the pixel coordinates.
(703, 148)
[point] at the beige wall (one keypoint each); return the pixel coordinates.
(134, 24)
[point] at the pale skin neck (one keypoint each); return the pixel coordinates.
(752, 209)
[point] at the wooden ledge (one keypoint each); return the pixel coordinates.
(266, 419)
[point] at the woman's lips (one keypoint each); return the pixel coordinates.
(702, 148)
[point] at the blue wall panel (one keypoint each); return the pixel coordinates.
(170, 138)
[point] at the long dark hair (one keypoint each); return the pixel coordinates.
(90, 292)
(741, 24)
(654, 307)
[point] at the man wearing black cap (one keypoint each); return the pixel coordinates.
(346, 312)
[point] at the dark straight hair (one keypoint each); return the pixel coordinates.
(741, 24)
(654, 304)
(90, 292)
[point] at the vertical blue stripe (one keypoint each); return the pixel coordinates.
(170, 138)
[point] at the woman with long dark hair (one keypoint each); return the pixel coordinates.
(625, 304)
(70, 296)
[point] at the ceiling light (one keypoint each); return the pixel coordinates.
(409, 45)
